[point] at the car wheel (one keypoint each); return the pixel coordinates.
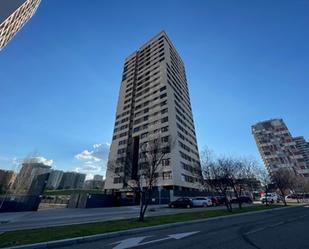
(172, 206)
(188, 206)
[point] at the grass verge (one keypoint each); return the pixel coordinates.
(22, 237)
(72, 191)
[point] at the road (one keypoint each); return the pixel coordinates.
(66, 216)
(284, 228)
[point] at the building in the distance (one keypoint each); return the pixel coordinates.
(54, 179)
(303, 147)
(13, 16)
(27, 174)
(154, 103)
(98, 178)
(94, 184)
(7, 178)
(278, 148)
(72, 180)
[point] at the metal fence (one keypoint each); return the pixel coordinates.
(19, 203)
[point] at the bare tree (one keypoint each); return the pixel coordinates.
(224, 173)
(237, 178)
(284, 180)
(141, 180)
(265, 183)
(217, 176)
(243, 173)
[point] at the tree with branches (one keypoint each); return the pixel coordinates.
(224, 173)
(243, 174)
(216, 173)
(266, 183)
(284, 180)
(142, 179)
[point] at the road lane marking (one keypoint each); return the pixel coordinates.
(128, 243)
(276, 224)
(133, 242)
(256, 230)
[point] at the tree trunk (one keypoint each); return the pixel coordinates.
(296, 197)
(142, 201)
(227, 203)
(237, 197)
(147, 201)
(239, 202)
(266, 201)
(283, 196)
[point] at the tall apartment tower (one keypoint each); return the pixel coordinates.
(13, 16)
(278, 148)
(154, 99)
(303, 147)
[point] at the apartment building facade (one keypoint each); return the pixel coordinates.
(72, 180)
(278, 148)
(303, 147)
(7, 178)
(28, 172)
(14, 14)
(54, 179)
(154, 102)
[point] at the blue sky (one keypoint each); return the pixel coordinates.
(246, 61)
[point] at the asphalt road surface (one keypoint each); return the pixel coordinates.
(284, 228)
(67, 216)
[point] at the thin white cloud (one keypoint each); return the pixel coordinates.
(96, 145)
(98, 153)
(38, 159)
(45, 161)
(87, 155)
(94, 160)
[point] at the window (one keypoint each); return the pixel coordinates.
(165, 162)
(167, 175)
(164, 139)
(163, 95)
(164, 129)
(121, 151)
(162, 89)
(166, 149)
(118, 170)
(164, 111)
(121, 142)
(144, 135)
(136, 129)
(165, 119)
(117, 180)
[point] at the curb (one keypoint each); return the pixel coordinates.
(96, 237)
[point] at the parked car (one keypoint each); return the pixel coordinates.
(215, 201)
(242, 199)
(220, 200)
(294, 197)
(201, 202)
(271, 198)
(181, 202)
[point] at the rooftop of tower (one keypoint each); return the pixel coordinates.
(162, 32)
